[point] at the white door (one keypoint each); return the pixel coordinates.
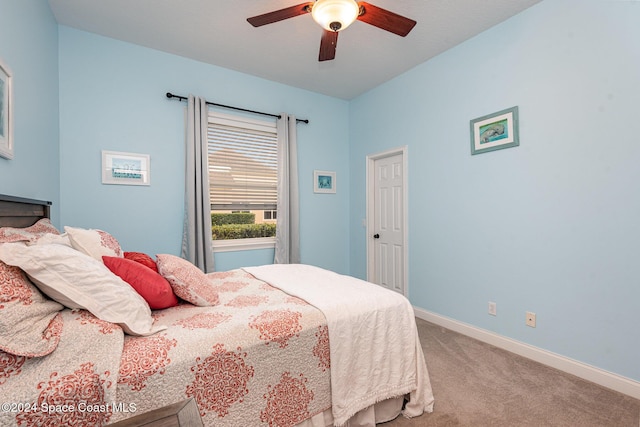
(387, 234)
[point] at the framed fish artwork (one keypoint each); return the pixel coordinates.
(495, 131)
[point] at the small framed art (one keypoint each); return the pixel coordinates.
(125, 168)
(324, 182)
(6, 113)
(495, 131)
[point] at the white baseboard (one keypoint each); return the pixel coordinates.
(582, 370)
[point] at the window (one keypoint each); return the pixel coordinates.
(243, 173)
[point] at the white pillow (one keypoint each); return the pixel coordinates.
(95, 243)
(79, 281)
(48, 239)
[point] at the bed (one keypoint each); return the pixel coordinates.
(86, 341)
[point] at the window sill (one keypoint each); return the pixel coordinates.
(244, 244)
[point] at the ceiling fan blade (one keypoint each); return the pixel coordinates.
(385, 19)
(280, 15)
(328, 45)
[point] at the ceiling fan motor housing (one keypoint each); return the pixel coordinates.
(335, 15)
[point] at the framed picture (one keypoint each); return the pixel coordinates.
(495, 131)
(125, 168)
(6, 113)
(324, 182)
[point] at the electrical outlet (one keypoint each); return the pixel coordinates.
(531, 319)
(492, 308)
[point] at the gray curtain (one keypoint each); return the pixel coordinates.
(288, 222)
(196, 235)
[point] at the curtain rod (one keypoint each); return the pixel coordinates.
(184, 98)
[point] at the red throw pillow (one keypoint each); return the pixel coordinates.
(151, 286)
(143, 259)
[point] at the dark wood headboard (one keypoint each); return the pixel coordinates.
(21, 212)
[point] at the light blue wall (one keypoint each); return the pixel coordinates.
(112, 97)
(551, 226)
(29, 48)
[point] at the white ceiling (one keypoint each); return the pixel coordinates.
(216, 32)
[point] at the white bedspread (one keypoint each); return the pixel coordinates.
(374, 346)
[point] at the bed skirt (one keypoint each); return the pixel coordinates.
(381, 412)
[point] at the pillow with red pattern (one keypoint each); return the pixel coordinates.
(77, 280)
(95, 243)
(29, 323)
(27, 234)
(143, 259)
(187, 280)
(151, 286)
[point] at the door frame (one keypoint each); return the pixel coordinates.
(370, 220)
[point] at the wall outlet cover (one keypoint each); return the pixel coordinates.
(530, 319)
(492, 308)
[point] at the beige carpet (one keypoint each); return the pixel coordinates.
(476, 384)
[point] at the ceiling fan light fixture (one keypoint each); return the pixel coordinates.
(335, 15)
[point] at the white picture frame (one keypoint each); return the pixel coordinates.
(126, 168)
(324, 181)
(6, 112)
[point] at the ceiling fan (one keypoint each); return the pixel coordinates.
(336, 15)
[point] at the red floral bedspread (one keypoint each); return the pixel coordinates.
(260, 357)
(75, 385)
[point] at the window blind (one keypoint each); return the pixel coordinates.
(243, 163)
